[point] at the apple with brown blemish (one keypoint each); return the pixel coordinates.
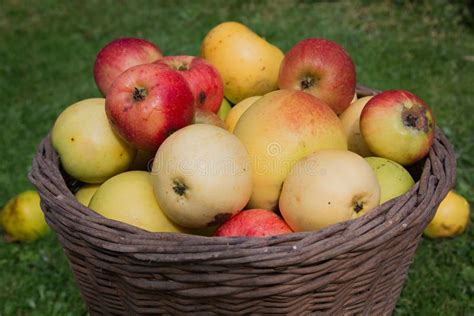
(398, 125)
(203, 79)
(147, 103)
(119, 55)
(202, 176)
(322, 68)
(254, 223)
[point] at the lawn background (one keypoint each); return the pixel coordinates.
(47, 50)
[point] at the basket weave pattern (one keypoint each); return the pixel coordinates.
(355, 267)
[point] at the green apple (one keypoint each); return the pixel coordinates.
(394, 180)
(22, 218)
(89, 149)
(224, 109)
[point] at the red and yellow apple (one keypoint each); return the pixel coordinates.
(147, 103)
(119, 55)
(203, 80)
(322, 68)
(254, 223)
(398, 125)
(328, 187)
(202, 176)
(278, 130)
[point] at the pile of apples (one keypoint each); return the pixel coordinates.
(165, 151)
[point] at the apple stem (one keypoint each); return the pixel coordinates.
(201, 98)
(179, 187)
(182, 67)
(358, 206)
(307, 83)
(139, 94)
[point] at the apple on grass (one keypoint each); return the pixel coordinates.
(203, 80)
(119, 55)
(398, 125)
(451, 217)
(254, 223)
(147, 103)
(202, 176)
(22, 218)
(328, 187)
(322, 68)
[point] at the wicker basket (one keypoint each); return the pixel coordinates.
(355, 267)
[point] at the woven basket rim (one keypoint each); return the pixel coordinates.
(384, 221)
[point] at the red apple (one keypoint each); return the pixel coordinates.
(254, 223)
(119, 55)
(322, 68)
(147, 103)
(207, 117)
(398, 125)
(203, 79)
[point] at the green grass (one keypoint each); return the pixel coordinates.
(46, 55)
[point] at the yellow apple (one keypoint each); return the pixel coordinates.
(128, 197)
(86, 192)
(202, 176)
(278, 130)
(237, 111)
(247, 63)
(89, 150)
(350, 120)
(22, 218)
(328, 187)
(394, 180)
(451, 218)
